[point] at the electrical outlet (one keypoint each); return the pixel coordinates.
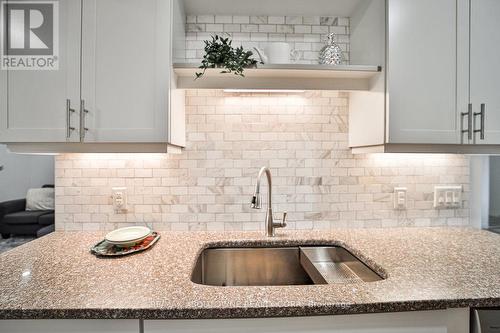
(448, 196)
(400, 201)
(119, 199)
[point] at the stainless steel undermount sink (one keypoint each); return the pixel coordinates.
(280, 266)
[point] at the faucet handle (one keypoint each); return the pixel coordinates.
(282, 223)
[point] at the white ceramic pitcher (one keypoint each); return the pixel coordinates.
(275, 53)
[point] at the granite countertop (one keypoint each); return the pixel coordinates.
(426, 268)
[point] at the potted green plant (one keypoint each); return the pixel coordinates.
(219, 53)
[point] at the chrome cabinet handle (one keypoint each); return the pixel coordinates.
(69, 112)
(83, 114)
(482, 115)
(467, 114)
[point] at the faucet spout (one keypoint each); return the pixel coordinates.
(257, 203)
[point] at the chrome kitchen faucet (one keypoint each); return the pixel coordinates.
(257, 203)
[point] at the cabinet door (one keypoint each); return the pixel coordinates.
(485, 68)
(67, 326)
(425, 90)
(33, 102)
(126, 70)
(443, 321)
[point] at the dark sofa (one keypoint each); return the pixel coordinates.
(16, 220)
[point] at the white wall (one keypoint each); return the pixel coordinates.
(495, 186)
(480, 191)
(305, 34)
(21, 172)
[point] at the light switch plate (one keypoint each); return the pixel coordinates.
(119, 199)
(400, 200)
(448, 196)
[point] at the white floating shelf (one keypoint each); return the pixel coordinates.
(287, 76)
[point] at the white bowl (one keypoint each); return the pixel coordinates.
(128, 236)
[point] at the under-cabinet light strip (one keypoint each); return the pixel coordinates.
(282, 91)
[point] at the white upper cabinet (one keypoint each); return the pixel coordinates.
(423, 104)
(114, 84)
(33, 103)
(126, 70)
(442, 82)
(485, 70)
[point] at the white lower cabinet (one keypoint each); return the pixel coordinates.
(67, 326)
(442, 321)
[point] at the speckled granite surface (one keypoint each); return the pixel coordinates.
(426, 268)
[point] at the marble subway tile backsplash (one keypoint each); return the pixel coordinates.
(302, 137)
(306, 35)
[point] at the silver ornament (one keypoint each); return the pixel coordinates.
(331, 53)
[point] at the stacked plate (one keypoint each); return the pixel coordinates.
(129, 236)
